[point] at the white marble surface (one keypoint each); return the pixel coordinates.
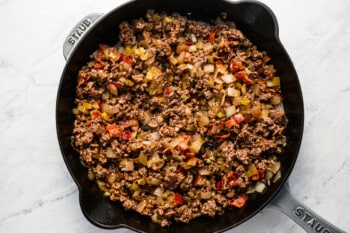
(38, 195)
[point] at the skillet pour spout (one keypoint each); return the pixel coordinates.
(259, 24)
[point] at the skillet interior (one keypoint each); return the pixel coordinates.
(260, 26)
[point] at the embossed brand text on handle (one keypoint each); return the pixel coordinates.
(310, 220)
(74, 37)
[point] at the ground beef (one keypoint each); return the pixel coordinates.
(180, 119)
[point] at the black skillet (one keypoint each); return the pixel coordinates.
(260, 25)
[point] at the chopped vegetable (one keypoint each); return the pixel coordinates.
(275, 82)
(212, 35)
(196, 143)
(178, 199)
(239, 202)
(236, 66)
(260, 187)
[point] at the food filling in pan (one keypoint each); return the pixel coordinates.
(180, 119)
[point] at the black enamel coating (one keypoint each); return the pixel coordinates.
(259, 24)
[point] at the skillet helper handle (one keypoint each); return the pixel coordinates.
(78, 33)
(301, 214)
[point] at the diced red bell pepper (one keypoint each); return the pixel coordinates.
(178, 199)
(236, 66)
(261, 173)
(98, 66)
(219, 185)
(255, 177)
(239, 202)
(212, 35)
(168, 91)
(230, 123)
(231, 179)
(126, 59)
(181, 169)
(189, 154)
(114, 130)
(218, 62)
(243, 76)
(126, 135)
(238, 118)
(95, 113)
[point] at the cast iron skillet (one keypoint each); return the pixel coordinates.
(259, 24)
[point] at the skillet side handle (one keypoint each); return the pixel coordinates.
(78, 32)
(301, 214)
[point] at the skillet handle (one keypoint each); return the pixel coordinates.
(301, 214)
(78, 32)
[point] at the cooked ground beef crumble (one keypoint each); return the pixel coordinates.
(180, 119)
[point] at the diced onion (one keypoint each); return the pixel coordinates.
(207, 47)
(140, 206)
(175, 141)
(155, 162)
(196, 144)
(110, 109)
(268, 175)
(260, 187)
(250, 190)
(193, 38)
(208, 68)
(204, 172)
(276, 99)
(158, 191)
(173, 60)
(230, 111)
(233, 92)
(155, 136)
(110, 153)
(276, 167)
(203, 119)
(152, 73)
(228, 78)
(192, 48)
(129, 165)
(277, 177)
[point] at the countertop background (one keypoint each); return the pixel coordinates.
(37, 193)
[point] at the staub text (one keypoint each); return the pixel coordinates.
(79, 31)
(310, 220)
